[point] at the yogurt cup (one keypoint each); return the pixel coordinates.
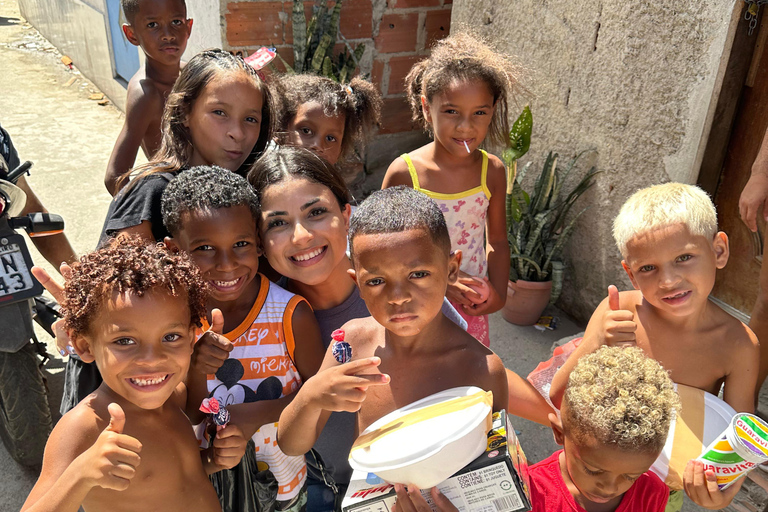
(738, 450)
(427, 441)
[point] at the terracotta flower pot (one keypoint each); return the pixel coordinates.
(526, 301)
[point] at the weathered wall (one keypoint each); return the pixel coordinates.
(634, 80)
(207, 26)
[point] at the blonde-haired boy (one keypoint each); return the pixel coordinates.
(671, 250)
(615, 418)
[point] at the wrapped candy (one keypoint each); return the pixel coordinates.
(342, 351)
(219, 414)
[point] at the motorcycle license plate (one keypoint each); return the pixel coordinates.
(16, 281)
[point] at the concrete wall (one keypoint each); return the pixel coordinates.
(635, 80)
(80, 30)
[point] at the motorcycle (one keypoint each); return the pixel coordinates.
(25, 416)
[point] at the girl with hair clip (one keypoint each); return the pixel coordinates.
(460, 94)
(330, 118)
(219, 112)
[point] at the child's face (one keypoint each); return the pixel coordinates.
(675, 270)
(225, 121)
(596, 473)
(314, 130)
(402, 278)
(161, 28)
(461, 113)
(303, 230)
(224, 244)
(141, 345)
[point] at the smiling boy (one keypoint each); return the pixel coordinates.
(613, 423)
(668, 237)
(161, 29)
(133, 309)
(408, 349)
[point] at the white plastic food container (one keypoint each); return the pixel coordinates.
(427, 441)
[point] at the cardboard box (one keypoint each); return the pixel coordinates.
(496, 481)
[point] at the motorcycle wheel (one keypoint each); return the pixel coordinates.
(25, 417)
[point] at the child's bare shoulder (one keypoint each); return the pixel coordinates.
(726, 327)
(397, 174)
(363, 335)
(143, 97)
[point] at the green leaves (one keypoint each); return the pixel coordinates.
(313, 43)
(519, 137)
(538, 222)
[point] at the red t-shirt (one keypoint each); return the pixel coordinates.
(550, 494)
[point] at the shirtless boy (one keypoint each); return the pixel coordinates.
(668, 237)
(128, 446)
(161, 29)
(407, 350)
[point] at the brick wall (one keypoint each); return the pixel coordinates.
(396, 34)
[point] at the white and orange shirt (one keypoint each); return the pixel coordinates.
(261, 367)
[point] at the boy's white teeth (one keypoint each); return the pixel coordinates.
(225, 284)
(149, 382)
(677, 296)
(309, 255)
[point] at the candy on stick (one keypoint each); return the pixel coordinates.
(219, 414)
(342, 351)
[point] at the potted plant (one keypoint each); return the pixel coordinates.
(538, 227)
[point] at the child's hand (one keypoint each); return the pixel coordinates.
(63, 342)
(410, 500)
(701, 487)
(492, 304)
(457, 293)
(618, 324)
(212, 349)
(343, 387)
(112, 460)
(228, 447)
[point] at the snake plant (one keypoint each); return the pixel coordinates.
(313, 43)
(538, 222)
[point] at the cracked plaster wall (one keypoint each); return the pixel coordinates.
(634, 80)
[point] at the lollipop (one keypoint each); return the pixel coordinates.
(342, 351)
(219, 414)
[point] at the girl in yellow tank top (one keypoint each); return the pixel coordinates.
(460, 95)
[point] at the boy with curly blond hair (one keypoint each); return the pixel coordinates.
(613, 423)
(671, 251)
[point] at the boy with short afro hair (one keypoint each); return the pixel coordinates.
(267, 341)
(671, 250)
(161, 29)
(615, 418)
(407, 350)
(133, 309)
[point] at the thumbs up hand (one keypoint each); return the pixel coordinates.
(112, 460)
(212, 349)
(618, 324)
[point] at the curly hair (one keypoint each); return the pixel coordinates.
(464, 57)
(176, 144)
(620, 397)
(130, 264)
(359, 102)
(205, 188)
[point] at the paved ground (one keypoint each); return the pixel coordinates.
(46, 109)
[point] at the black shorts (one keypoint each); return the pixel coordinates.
(80, 380)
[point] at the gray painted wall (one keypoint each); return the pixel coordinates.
(634, 80)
